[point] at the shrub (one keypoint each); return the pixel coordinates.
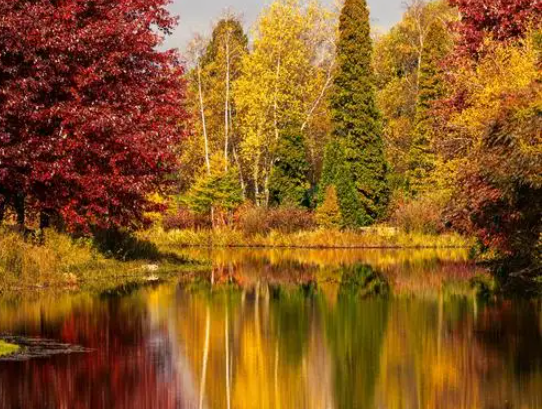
(421, 215)
(328, 214)
(290, 219)
(23, 261)
(216, 189)
(253, 220)
(180, 220)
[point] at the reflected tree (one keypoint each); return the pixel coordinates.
(355, 331)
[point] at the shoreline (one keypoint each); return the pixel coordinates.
(330, 247)
(64, 264)
(376, 239)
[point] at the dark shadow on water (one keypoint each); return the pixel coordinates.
(513, 333)
(130, 288)
(125, 246)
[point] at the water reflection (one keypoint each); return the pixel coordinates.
(304, 330)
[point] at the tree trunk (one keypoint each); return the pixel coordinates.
(266, 188)
(241, 177)
(45, 220)
(2, 210)
(257, 180)
(205, 135)
(276, 99)
(227, 104)
(203, 121)
(19, 205)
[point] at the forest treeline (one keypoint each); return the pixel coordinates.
(433, 125)
(314, 118)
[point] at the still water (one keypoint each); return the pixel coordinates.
(329, 329)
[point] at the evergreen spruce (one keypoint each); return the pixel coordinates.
(355, 161)
(337, 173)
(422, 158)
(289, 183)
(228, 26)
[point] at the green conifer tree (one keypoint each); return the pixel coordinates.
(355, 161)
(336, 173)
(217, 190)
(422, 158)
(289, 182)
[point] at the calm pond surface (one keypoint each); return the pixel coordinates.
(291, 329)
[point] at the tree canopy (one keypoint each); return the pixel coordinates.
(91, 112)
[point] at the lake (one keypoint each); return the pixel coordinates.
(291, 329)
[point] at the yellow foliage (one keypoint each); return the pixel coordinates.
(503, 70)
(280, 81)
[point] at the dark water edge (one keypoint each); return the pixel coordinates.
(280, 328)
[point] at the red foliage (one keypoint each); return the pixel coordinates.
(184, 218)
(498, 199)
(502, 19)
(482, 210)
(90, 110)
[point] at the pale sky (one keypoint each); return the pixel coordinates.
(196, 16)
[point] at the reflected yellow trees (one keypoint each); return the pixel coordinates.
(289, 347)
(267, 344)
(310, 330)
(294, 350)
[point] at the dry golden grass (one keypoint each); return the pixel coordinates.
(64, 263)
(378, 237)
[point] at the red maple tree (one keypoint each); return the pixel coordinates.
(501, 19)
(90, 109)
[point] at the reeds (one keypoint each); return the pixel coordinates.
(377, 237)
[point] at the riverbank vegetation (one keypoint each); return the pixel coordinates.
(381, 238)
(7, 349)
(58, 262)
(312, 130)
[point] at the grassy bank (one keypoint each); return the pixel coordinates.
(7, 349)
(382, 237)
(108, 263)
(62, 263)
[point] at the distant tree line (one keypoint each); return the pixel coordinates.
(437, 119)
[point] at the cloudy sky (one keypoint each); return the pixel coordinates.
(196, 16)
